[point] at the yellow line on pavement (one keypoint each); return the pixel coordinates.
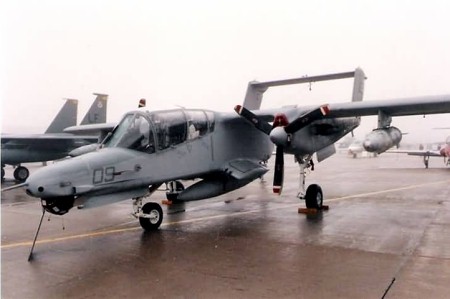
(115, 231)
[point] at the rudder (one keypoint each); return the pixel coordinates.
(97, 112)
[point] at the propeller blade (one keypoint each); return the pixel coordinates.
(307, 118)
(279, 170)
(263, 126)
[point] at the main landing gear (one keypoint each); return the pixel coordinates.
(20, 173)
(313, 195)
(426, 160)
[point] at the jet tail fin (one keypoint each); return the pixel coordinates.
(255, 89)
(97, 113)
(66, 117)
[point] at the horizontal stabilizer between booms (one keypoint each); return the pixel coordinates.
(255, 89)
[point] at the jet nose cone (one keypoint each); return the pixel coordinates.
(279, 136)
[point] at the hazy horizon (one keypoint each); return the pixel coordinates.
(201, 54)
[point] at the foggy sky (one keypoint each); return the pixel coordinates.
(201, 54)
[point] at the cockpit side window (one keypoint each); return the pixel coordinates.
(134, 132)
(170, 128)
(197, 123)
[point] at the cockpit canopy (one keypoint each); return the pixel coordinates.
(155, 131)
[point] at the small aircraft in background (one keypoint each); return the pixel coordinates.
(356, 149)
(54, 143)
(444, 151)
(222, 151)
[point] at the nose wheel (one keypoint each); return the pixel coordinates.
(151, 216)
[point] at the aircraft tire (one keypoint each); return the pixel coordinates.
(21, 173)
(314, 197)
(155, 210)
(3, 173)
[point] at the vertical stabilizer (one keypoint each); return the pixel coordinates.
(66, 117)
(358, 85)
(254, 95)
(97, 112)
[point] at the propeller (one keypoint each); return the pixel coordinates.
(280, 134)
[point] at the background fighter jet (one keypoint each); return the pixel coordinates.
(222, 151)
(53, 144)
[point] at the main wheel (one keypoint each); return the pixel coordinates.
(314, 197)
(155, 213)
(21, 173)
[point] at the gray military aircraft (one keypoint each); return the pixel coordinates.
(53, 144)
(221, 151)
(443, 151)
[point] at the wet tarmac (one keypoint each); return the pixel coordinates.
(387, 232)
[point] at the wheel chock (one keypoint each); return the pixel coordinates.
(166, 202)
(308, 211)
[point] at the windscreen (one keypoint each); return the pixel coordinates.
(133, 132)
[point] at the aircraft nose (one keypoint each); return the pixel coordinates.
(44, 186)
(56, 180)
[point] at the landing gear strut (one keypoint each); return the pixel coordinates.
(313, 195)
(173, 189)
(426, 159)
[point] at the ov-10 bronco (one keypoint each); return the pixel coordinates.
(223, 151)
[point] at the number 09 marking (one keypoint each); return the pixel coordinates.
(105, 175)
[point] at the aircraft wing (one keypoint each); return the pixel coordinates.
(50, 142)
(416, 153)
(393, 107)
(42, 138)
(40, 147)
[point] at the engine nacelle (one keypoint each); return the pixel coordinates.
(380, 140)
